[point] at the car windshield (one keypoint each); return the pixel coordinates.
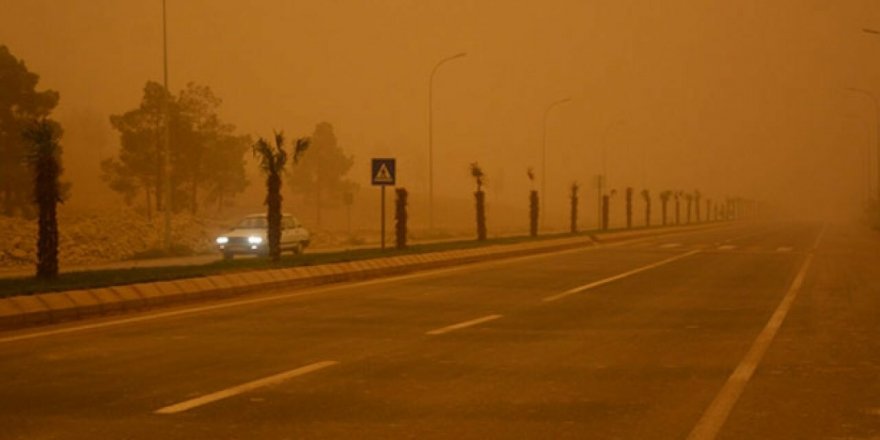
(252, 223)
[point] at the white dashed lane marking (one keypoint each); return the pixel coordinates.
(727, 247)
(670, 245)
(611, 279)
(462, 325)
(243, 388)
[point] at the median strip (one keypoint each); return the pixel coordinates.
(462, 325)
(244, 388)
(27, 310)
(618, 277)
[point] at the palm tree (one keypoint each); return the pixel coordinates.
(478, 175)
(273, 158)
(44, 159)
(646, 195)
(629, 208)
(606, 208)
(697, 197)
(664, 202)
(689, 198)
(400, 217)
(677, 196)
(574, 207)
(534, 204)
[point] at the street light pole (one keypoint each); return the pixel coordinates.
(431, 136)
(876, 103)
(877, 108)
(544, 157)
(167, 159)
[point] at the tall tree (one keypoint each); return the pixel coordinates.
(206, 154)
(20, 104)
(646, 195)
(223, 171)
(321, 177)
(480, 197)
(44, 157)
(139, 164)
(272, 159)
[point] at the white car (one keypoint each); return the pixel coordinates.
(250, 236)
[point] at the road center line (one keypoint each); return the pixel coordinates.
(462, 325)
(619, 276)
(716, 414)
(243, 388)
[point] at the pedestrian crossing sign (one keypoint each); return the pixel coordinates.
(384, 172)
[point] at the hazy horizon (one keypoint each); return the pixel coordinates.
(735, 99)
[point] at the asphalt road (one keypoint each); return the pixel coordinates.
(760, 331)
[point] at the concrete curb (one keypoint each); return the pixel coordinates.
(29, 310)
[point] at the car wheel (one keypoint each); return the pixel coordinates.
(298, 249)
(228, 256)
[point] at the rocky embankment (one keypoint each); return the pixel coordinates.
(118, 235)
(104, 237)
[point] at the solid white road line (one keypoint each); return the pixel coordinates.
(619, 276)
(718, 411)
(784, 249)
(250, 386)
(670, 245)
(462, 325)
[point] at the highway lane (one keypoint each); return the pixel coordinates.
(640, 357)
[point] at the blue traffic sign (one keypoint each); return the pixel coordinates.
(384, 172)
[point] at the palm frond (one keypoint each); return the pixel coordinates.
(476, 171)
(262, 151)
(279, 140)
(302, 144)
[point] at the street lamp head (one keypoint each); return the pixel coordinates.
(458, 55)
(870, 31)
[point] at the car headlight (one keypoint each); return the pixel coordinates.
(222, 240)
(255, 240)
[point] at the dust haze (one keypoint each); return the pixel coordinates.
(734, 99)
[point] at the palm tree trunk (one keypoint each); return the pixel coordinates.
(273, 216)
(481, 214)
(534, 207)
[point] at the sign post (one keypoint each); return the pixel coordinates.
(383, 173)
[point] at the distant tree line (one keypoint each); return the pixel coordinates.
(207, 157)
(320, 177)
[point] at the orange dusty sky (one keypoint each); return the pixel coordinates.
(735, 98)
